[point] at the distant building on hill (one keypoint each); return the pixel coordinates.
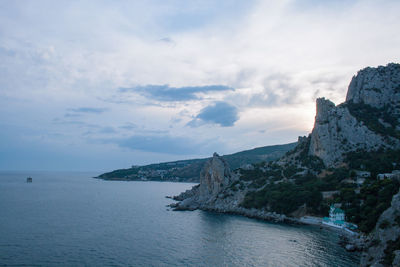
(393, 175)
(329, 194)
(363, 174)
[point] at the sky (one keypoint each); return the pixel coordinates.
(102, 85)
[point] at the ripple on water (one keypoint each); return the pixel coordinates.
(69, 219)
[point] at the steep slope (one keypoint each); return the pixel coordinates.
(338, 162)
(383, 247)
(368, 120)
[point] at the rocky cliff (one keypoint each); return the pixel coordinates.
(383, 246)
(368, 120)
(214, 178)
(349, 145)
(377, 87)
(221, 190)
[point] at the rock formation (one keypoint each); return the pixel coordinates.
(383, 247)
(368, 121)
(218, 191)
(214, 178)
(338, 130)
(376, 87)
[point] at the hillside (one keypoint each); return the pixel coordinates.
(351, 160)
(189, 170)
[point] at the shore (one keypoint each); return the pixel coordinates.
(350, 240)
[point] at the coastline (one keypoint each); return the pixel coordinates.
(351, 241)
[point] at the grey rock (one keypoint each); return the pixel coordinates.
(215, 193)
(375, 248)
(336, 131)
(376, 86)
(214, 178)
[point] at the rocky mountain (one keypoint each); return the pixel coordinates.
(214, 178)
(221, 190)
(351, 158)
(367, 120)
(189, 170)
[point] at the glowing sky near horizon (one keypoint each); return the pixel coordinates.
(100, 85)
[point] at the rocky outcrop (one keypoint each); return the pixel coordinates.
(218, 191)
(214, 178)
(337, 130)
(376, 87)
(383, 247)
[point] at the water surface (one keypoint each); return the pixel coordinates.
(70, 219)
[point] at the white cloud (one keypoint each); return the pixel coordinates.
(277, 55)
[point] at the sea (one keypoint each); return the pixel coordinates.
(72, 219)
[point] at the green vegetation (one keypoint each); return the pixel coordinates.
(311, 162)
(370, 117)
(391, 247)
(375, 243)
(384, 224)
(286, 197)
(189, 170)
(397, 220)
(259, 176)
(379, 161)
(288, 187)
(119, 174)
(364, 209)
(375, 195)
(256, 155)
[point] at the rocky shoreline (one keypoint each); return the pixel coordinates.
(251, 213)
(350, 241)
(352, 137)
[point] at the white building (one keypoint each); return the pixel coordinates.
(337, 219)
(336, 214)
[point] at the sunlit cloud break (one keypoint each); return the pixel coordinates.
(240, 73)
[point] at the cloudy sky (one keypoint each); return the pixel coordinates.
(100, 85)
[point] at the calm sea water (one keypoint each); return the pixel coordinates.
(70, 219)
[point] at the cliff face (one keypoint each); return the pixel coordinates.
(376, 87)
(369, 123)
(336, 131)
(214, 178)
(383, 247)
(221, 190)
(339, 129)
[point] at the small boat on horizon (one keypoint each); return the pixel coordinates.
(29, 180)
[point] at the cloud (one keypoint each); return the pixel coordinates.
(75, 122)
(275, 56)
(167, 93)
(220, 113)
(107, 130)
(128, 126)
(87, 110)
